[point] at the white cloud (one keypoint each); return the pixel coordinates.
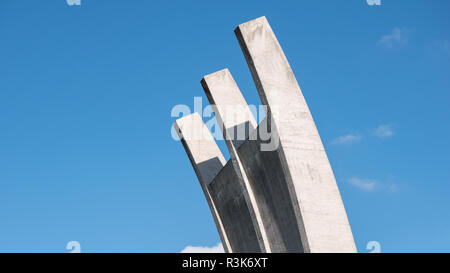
(73, 2)
(203, 249)
(386, 185)
(363, 184)
(347, 139)
(398, 36)
(383, 131)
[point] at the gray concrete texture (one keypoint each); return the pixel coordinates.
(206, 159)
(281, 200)
(236, 212)
(236, 121)
(315, 198)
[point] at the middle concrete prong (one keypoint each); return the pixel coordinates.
(237, 122)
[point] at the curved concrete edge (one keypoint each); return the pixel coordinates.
(237, 121)
(319, 210)
(206, 159)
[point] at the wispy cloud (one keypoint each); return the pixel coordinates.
(371, 185)
(393, 188)
(347, 139)
(398, 36)
(383, 131)
(363, 184)
(203, 249)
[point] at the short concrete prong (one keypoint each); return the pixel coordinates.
(318, 208)
(206, 159)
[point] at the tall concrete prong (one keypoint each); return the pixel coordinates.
(313, 192)
(237, 121)
(206, 159)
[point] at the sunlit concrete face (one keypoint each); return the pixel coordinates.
(319, 211)
(206, 159)
(283, 199)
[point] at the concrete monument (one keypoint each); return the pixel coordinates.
(273, 195)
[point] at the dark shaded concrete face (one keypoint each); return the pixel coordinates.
(231, 203)
(265, 174)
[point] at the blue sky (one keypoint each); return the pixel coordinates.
(86, 93)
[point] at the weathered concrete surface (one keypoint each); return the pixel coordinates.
(266, 178)
(313, 192)
(233, 207)
(236, 120)
(206, 159)
(232, 111)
